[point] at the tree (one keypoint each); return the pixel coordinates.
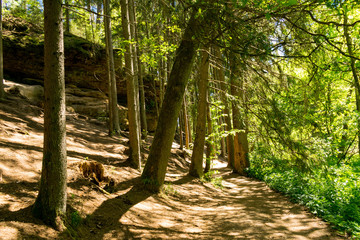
(241, 145)
(2, 92)
(67, 17)
(196, 166)
(155, 168)
(114, 125)
(128, 21)
(50, 204)
(210, 150)
(349, 46)
(227, 119)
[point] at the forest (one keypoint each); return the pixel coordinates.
(179, 119)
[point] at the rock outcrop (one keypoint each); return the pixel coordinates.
(85, 71)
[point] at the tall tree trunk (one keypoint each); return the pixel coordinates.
(67, 17)
(50, 204)
(196, 166)
(186, 124)
(142, 100)
(354, 72)
(210, 151)
(134, 58)
(131, 84)
(227, 119)
(114, 125)
(2, 92)
(241, 145)
(222, 140)
(155, 168)
(181, 133)
(98, 11)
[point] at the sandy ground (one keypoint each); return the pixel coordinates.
(189, 209)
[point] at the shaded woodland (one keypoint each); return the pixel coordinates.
(183, 95)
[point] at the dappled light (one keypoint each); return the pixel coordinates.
(191, 119)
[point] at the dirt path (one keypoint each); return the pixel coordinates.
(190, 209)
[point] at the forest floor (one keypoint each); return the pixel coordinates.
(242, 208)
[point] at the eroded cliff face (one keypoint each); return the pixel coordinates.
(85, 62)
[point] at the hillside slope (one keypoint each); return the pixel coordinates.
(189, 209)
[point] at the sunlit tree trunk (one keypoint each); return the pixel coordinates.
(227, 119)
(50, 204)
(2, 92)
(181, 133)
(142, 98)
(186, 124)
(134, 58)
(196, 166)
(114, 125)
(131, 83)
(222, 140)
(241, 145)
(210, 150)
(349, 45)
(155, 168)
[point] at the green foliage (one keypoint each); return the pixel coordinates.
(333, 193)
(75, 219)
(169, 190)
(212, 178)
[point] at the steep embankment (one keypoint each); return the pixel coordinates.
(190, 209)
(85, 67)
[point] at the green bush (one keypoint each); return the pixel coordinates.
(332, 193)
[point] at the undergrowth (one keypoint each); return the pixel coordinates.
(332, 193)
(212, 178)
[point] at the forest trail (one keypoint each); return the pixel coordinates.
(190, 209)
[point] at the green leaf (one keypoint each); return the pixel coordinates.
(291, 2)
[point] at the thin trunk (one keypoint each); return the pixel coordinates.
(186, 124)
(114, 125)
(134, 59)
(50, 204)
(181, 135)
(196, 166)
(354, 72)
(222, 140)
(155, 168)
(161, 81)
(241, 145)
(227, 119)
(155, 98)
(67, 18)
(142, 101)
(98, 11)
(2, 92)
(210, 151)
(131, 83)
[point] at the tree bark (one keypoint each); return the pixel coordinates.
(2, 92)
(114, 125)
(241, 145)
(134, 58)
(196, 166)
(210, 151)
(98, 11)
(50, 204)
(155, 168)
(181, 134)
(227, 119)
(67, 17)
(186, 124)
(131, 85)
